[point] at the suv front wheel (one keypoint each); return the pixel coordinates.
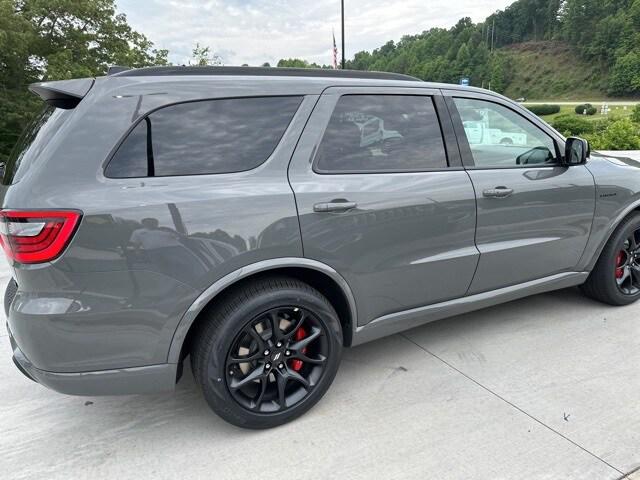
(267, 352)
(616, 277)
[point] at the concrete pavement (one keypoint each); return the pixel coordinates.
(541, 388)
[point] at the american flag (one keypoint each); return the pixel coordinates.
(335, 52)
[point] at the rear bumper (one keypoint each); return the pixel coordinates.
(122, 381)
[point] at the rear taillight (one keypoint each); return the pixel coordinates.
(36, 236)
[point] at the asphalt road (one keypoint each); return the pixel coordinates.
(541, 388)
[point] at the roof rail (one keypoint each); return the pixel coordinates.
(263, 71)
(113, 69)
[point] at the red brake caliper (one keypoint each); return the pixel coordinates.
(300, 334)
(619, 261)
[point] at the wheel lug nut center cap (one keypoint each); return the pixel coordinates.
(277, 356)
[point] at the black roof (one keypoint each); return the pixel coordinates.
(259, 71)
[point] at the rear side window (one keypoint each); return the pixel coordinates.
(204, 137)
(382, 133)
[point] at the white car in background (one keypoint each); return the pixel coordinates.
(479, 134)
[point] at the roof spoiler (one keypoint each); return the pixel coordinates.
(63, 93)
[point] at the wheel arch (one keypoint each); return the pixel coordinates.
(629, 210)
(319, 275)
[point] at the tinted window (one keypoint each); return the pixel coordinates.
(499, 137)
(216, 136)
(371, 133)
(35, 138)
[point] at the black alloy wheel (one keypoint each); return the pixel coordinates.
(266, 351)
(615, 278)
(627, 265)
(277, 359)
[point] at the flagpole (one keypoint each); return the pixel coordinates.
(342, 11)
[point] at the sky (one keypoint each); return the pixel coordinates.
(258, 31)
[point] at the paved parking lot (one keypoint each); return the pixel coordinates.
(545, 387)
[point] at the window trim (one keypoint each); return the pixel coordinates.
(145, 118)
(465, 149)
(384, 93)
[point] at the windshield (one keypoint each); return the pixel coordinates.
(32, 142)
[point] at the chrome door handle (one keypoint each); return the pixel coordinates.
(334, 206)
(498, 192)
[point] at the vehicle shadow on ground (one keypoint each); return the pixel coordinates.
(186, 409)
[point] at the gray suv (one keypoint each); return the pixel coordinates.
(258, 221)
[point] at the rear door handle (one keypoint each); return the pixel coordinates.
(498, 192)
(334, 206)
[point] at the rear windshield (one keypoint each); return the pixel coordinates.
(32, 142)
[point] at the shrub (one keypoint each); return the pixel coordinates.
(586, 107)
(621, 134)
(541, 110)
(570, 125)
(635, 114)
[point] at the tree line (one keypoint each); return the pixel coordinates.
(59, 39)
(605, 32)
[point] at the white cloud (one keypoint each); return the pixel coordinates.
(257, 31)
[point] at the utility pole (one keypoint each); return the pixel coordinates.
(486, 35)
(493, 31)
(342, 15)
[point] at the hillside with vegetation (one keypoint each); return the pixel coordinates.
(545, 70)
(536, 48)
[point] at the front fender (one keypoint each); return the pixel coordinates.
(617, 195)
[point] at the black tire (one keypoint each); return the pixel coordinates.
(601, 284)
(9, 293)
(231, 317)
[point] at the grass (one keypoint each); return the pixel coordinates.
(616, 111)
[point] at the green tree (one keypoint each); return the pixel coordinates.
(463, 61)
(299, 63)
(625, 75)
(202, 56)
(605, 33)
(60, 39)
(499, 73)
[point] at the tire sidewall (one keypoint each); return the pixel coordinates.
(213, 381)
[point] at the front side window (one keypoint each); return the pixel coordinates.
(499, 137)
(204, 137)
(382, 133)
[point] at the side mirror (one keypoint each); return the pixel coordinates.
(576, 151)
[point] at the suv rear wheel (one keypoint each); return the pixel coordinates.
(267, 352)
(616, 277)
